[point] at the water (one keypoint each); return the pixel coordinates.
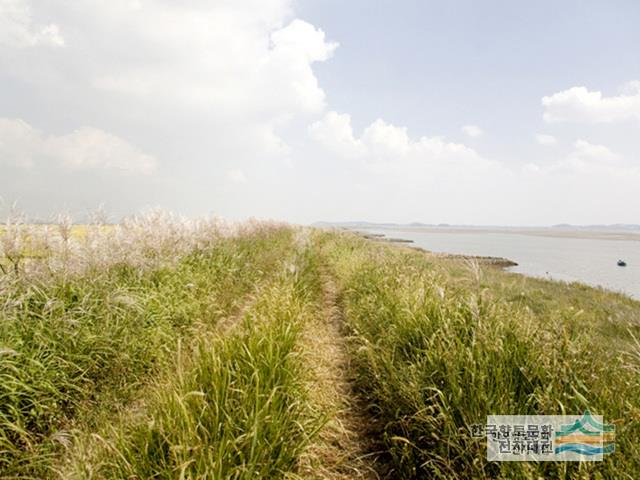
(587, 259)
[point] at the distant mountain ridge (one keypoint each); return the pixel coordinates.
(613, 226)
(562, 226)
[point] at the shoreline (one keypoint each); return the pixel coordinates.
(499, 262)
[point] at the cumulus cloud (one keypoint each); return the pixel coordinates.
(222, 56)
(397, 175)
(382, 141)
(590, 182)
(545, 139)
(472, 131)
(207, 87)
(236, 176)
(401, 176)
(578, 104)
(335, 132)
(85, 148)
(587, 158)
(246, 65)
(17, 28)
(89, 147)
(392, 157)
(585, 149)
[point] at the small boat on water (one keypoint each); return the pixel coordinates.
(622, 263)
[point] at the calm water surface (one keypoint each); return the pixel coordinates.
(587, 260)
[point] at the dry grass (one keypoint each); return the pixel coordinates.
(90, 321)
(343, 448)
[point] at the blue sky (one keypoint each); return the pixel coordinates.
(474, 112)
(432, 65)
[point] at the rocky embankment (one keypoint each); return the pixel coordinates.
(485, 260)
(380, 237)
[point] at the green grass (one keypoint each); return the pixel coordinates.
(439, 345)
(194, 364)
(73, 350)
(238, 409)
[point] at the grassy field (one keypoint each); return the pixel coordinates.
(161, 348)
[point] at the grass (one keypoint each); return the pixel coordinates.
(75, 349)
(440, 345)
(166, 349)
(237, 409)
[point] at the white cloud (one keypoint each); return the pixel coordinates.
(472, 131)
(589, 157)
(584, 149)
(586, 158)
(243, 67)
(210, 86)
(19, 142)
(89, 147)
(237, 176)
(84, 148)
(578, 104)
(227, 57)
(591, 184)
(631, 87)
(399, 176)
(382, 141)
(302, 40)
(286, 67)
(387, 148)
(545, 139)
(18, 30)
(531, 168)
(334, 131)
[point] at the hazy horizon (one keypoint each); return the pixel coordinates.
(106, 218)
(427, 224)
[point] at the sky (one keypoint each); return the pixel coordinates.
(461, 112)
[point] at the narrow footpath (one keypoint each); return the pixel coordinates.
(343, 448)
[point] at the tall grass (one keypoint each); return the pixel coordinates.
(437, 348)
(167, 348)
(81, 333)
(237, 409)
(152, 239)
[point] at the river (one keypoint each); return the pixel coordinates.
(588, 257)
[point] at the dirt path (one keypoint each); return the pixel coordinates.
(342, 448)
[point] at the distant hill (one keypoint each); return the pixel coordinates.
(359, 224)
(563, 226)
(614, 226)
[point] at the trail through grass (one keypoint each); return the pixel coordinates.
(238, 408)
(344, 447)
(167, 349)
